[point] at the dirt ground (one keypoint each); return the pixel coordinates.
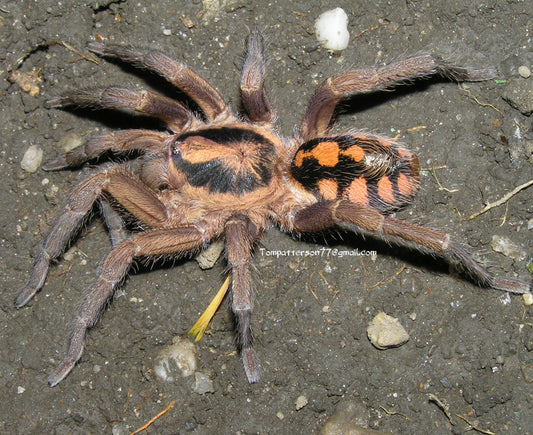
(470, 348)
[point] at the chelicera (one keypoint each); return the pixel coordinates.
(223, 176)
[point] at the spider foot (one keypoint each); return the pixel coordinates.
(511, 285)
(55, 164)
(61, 371)
(251, 364)
(24, 296)
(36, 281)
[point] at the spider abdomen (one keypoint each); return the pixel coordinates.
(366, 170)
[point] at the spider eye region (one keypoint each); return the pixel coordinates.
(230, 160)
(369, 171)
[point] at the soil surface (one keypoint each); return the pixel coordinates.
(470, 351)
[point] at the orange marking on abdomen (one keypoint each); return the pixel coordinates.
(385, 191)
(357, 192)
(355, 152)
(404, 152)
(328, 188)
(326, 153)
(406, 185)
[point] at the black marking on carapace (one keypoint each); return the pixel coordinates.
(387, 163)
(217, 176)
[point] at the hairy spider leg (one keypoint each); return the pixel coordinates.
(120, 183)
(322, 105)
(158, 241)
(241, 234)
(119, 142)
(254, 96)
(325, 214)
(176, 73)
(174, 114)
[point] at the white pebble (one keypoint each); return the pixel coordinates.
(203, 384)
(208, 257)
(179, 357)
(524, 71)
(527, 298)
(331, 29)
(507, 247)
(69, 142)
(385, 331)
(301, 401)
(32, 159)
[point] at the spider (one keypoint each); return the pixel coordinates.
(219, 175)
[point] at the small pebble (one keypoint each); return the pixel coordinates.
(69, 255)
(301, 401)
(69, 142)
(203, 384)
(524, 71)
(507, 247)
(120, 429)
(527, 372)
(527, 298)
(179, 357)
(208, 257)
(349, 418)
(32, 159)
(331, 29)
(385, 331)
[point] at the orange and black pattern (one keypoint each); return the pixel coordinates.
(233, 160)
(369, 171)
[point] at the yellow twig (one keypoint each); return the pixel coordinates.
(416, 128)
(374, 27)
(441, 187)
(362, 32)
(502, 200)
(504, 218)
(469, 93)
(198, 329)
(169, 406)
(79, 53)
(433, 168)
(442, 405)
(311, 288)
(393, 412)
(388, 280)
(472, 426)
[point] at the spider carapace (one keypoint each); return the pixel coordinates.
(236, 160)
(223, 176)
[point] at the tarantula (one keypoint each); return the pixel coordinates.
(223, 175)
